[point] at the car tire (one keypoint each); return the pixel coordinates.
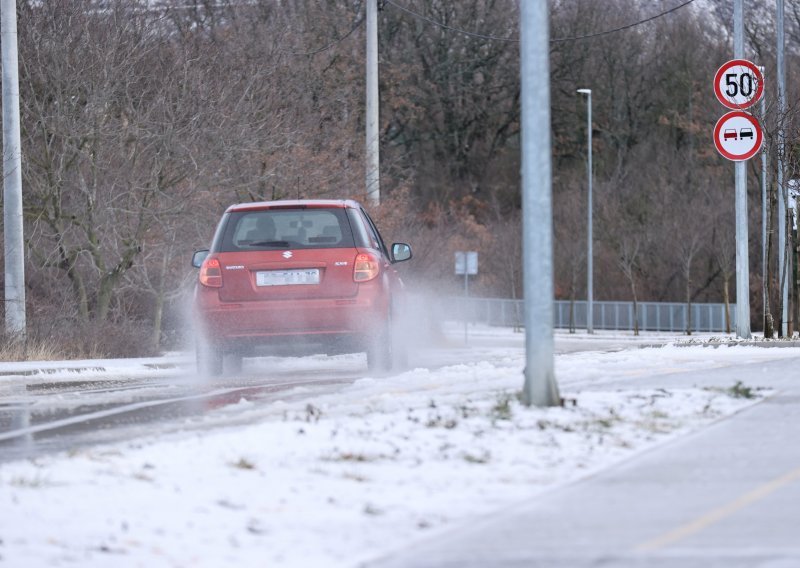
(400, 336)
(379, 351)
(233, 362)
(209, 359)
(399, 354)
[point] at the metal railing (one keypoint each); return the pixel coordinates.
(652, 316)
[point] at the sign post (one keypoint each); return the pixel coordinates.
(466, 264)
(739, 84)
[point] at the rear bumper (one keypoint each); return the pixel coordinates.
(329, 320)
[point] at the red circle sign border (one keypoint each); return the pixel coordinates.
(759, 136)
(742, 63)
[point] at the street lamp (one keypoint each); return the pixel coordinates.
(589, 294)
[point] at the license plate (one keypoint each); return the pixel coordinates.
(287, 277)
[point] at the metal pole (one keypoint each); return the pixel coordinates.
(466, 302)
(590, 256)
(764, 304)
(782, 269)
(742, 256)
(12, 175)
(537, 219)
(373, 137)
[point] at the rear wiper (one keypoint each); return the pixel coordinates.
(279, 244)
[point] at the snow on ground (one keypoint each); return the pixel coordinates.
(342, 478)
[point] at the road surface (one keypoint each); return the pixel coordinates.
(38, 416)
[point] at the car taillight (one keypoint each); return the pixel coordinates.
(366, 267)
(211, 273)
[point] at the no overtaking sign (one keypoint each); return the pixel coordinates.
(738, 136)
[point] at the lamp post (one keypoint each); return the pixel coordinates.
(589, 270)
(373, 133)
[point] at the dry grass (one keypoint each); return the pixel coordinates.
(76, 341)
(30, 350)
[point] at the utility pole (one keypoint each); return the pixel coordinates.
(742, 255)
(590, 256)
(373, 137)
(537, 223)
(12, 175)
(783, 273)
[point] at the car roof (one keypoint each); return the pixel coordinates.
(295, 204)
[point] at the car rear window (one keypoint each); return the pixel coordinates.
(286, 228)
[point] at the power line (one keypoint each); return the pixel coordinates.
(335, 42)
(446, 27)
(166, 7)
(552, 40)
(640, 22)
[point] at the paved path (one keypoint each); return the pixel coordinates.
(726, 497)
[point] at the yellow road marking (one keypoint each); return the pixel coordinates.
(718, 514)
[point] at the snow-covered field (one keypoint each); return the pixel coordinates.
(342, 478)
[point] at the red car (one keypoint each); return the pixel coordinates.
(307, 275)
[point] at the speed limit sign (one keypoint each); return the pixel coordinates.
(738, 84)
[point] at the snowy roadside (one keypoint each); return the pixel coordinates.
(350, 476)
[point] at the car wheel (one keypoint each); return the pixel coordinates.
(399, 354)
(233, 362)
(399, 342)
(209, 359)
(379, 351)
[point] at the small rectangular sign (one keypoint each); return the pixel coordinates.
(467, 263)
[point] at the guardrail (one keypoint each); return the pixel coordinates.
(652, 316)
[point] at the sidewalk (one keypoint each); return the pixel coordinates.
(727, 497)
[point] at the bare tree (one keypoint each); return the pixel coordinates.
(97, 166)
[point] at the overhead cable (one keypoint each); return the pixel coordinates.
(639, 23)
(446, 27)
(335, 42)
(553, 40)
